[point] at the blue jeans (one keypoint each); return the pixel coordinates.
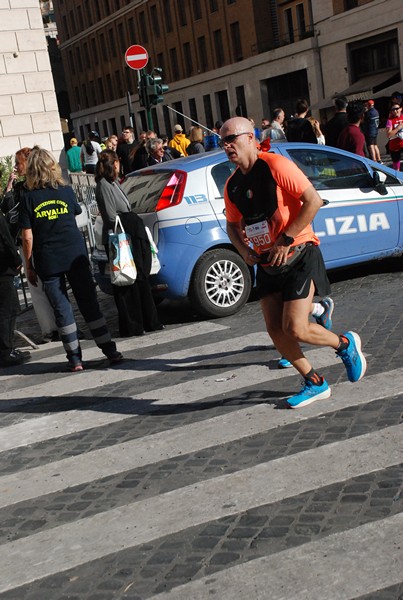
(83, 288)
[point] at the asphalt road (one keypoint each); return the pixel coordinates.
(176, 475)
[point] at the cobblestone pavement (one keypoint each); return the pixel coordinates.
(175, 476)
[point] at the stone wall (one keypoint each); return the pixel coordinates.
(28, 108)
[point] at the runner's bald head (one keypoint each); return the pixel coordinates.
(236, 125)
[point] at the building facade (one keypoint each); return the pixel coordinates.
(225, 57)
(28, 108)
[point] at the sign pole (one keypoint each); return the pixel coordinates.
(136, 57)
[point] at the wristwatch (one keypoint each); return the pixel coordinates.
(287, 239)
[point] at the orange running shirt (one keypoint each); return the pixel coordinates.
(267, 200)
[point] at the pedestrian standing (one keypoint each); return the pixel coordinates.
(74, 157)
(394, 131)
(351, 138)
(10, 265)
(370, 126)
(55, 251)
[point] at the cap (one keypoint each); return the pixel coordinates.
(178, 128)
(370, 102)
(73, 142)
(94, 133)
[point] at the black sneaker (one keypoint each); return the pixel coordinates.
(16, 357)
(115, 357)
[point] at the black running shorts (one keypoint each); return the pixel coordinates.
(295, 284)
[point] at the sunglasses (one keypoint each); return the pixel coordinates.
(396, 108)
(228, 139)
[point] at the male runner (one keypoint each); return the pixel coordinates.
(270, 199)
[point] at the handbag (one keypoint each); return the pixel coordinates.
(155, 263)
(123, 269)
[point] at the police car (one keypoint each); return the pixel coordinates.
(181, 201)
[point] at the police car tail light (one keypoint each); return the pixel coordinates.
(172, 193)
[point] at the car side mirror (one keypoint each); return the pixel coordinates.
(325, 202)
(379, 183)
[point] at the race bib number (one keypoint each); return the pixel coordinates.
(259, 235)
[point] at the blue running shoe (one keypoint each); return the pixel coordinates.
(283, 363)
(326, 319)
(352, 357)
(309, 393)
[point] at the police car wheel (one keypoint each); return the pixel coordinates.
(221, 283)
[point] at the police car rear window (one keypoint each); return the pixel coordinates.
(144, 191)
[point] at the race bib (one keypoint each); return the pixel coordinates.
(258, 234)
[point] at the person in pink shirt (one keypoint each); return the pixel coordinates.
(394, 131)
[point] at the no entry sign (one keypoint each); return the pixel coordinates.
(136, 57)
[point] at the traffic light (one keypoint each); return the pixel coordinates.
(145, 90)
(158, 88)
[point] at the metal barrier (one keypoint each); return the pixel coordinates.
(83, 185)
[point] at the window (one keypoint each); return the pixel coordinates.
(220, 173)
(84, 95)
(77, 97)
(231, 1)
(374, 54)
(132, 30)
(102, 43)
(329, 171)
(80, 16)
(301, 19)
(97, 11)
(71, 62)
(178, 116)
(174, 63)
(181, 12)
(203, 61)
(94, 49)
(197, 13)
(167, 123)
(118, 82)
(167, 15)
(349, 4)
(92, 92)
(112, 42)
(112, 124)
(208, 111)
(187, 55)
(86, 55)
(240, 110)
(78, 59)
(73, 23)
(65, 27)
(213, 6)
(236, 41)
(161, 63)
(219, 48)
(101, 91)
(193, 109)
(289, 25)
(109, 87)
(122, 38)
(223, 104)
(105, 127)
(143, 27)
(154, 21)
